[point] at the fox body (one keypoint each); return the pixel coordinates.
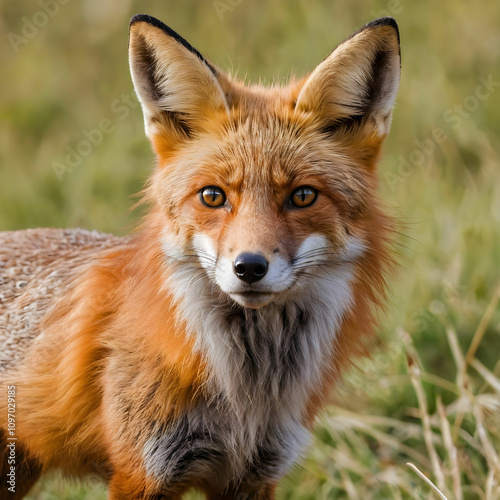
(197, 352)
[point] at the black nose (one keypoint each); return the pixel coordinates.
(250, 267)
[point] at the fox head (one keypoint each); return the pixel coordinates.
(267, 190)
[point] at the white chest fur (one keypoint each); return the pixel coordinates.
(264, 364)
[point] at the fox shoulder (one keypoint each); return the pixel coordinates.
(36, 267)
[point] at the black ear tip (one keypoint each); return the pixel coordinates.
(377, 23)
(138, 18)
(383, 21)
(144, 18)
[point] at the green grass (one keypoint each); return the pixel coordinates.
(443, 413)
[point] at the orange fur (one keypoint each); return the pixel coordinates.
(116, 364)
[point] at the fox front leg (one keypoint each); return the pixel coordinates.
(25, 473)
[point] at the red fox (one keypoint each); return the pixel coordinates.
(197, 352)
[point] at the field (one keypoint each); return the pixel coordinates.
(430, 395)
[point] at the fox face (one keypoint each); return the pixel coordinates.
(266, 189)
(261, 213)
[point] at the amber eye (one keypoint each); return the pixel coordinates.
(303, 196)
(212, 196)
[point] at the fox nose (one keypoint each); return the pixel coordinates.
(250, 267)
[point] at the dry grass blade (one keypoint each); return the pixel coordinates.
(414, 372)
(451, 449)
(483, 324)
(348, 486)
(440, 382)
(488, 448)
(492, 380)
(426, 480)
(462, 384)
(458, 357)
(370, 424)
(492, 490)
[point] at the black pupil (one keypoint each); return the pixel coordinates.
(212, 196)
(303, 194)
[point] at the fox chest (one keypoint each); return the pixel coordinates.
(208, 447)
(251, 428)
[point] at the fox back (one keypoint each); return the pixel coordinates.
(198, 352)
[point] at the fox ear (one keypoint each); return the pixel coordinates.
(175, 84)
(358, 80)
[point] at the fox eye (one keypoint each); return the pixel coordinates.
(303, 196)
(212, 196)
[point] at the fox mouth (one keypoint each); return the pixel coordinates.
(252, 299)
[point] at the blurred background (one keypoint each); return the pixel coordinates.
(73, 153)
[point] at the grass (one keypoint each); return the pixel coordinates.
(432, 449)
(430, 394)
